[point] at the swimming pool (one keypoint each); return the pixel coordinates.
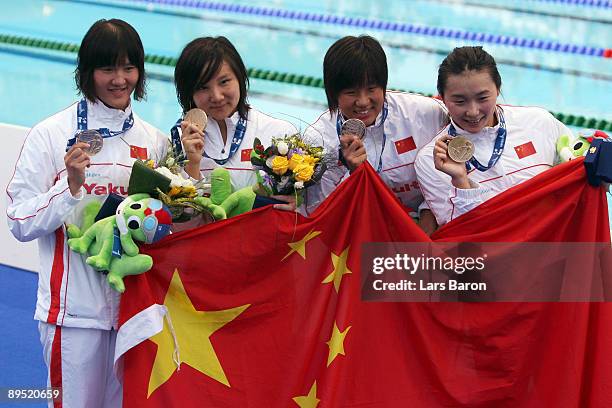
(555, 54)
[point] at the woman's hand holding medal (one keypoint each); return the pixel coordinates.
(76, 161)
(192, 137)
(450, 158)
(88, 143)
(353, 150)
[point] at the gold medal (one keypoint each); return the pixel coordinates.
(197, 117)
(93, 138)
(460, 149)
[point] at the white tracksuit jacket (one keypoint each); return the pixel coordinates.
(259, 125)
(530, 149)
(39, 205)
(412, 121)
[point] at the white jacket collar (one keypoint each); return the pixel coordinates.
(379, 119)
(230, 122)
(98, 113)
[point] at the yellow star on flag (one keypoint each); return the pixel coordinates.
(336, 343)
(300, 246)
(340, 268)
(193, 329)
(310, 400)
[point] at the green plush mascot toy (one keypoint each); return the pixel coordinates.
(110, 242)
(572, 147)
(221, 195)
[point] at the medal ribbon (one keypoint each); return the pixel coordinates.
(236, 141)
(498, 148)
(105, 132)
(340, 121)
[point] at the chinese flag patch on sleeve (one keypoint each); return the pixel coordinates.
(245, 155)
(137, 152)
(405, 145)
(524, 150)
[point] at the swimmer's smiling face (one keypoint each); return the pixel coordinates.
(219, 97)
(471, 98)
(114, 85)
(363, 103)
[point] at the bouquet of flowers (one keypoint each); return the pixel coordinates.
(287, 166)
(166, 182)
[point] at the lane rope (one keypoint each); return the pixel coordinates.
(591, 3)
(311, 32)
(520, 9)
(382, 25)
(274, 76)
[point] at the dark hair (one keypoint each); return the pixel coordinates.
(467, 59)
(200, 60)
(353, 62)
(106, 44)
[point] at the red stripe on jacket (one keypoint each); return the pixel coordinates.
(57, 273)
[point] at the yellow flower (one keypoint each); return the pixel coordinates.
(295, 160)
(280, 164)
(174, 191)
(310, 160)
(181, 192)
(189, 191)
(303, 172)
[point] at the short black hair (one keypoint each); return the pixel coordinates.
(469, 58)
(353, 62)
(106, 44)
(200, 60)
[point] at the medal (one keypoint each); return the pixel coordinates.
(353, 127)
(341, 129)
(197, 117)
(460, 149)
(498, 148)
(93, 138)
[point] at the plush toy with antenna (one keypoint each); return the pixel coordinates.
(111, 242)
(572, 147)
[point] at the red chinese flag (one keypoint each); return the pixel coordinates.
(568, 339)
(524, 150)
(405, 145)
(245, 155)
(137, 152)
(264, 310)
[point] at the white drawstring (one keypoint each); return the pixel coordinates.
(176, 356)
